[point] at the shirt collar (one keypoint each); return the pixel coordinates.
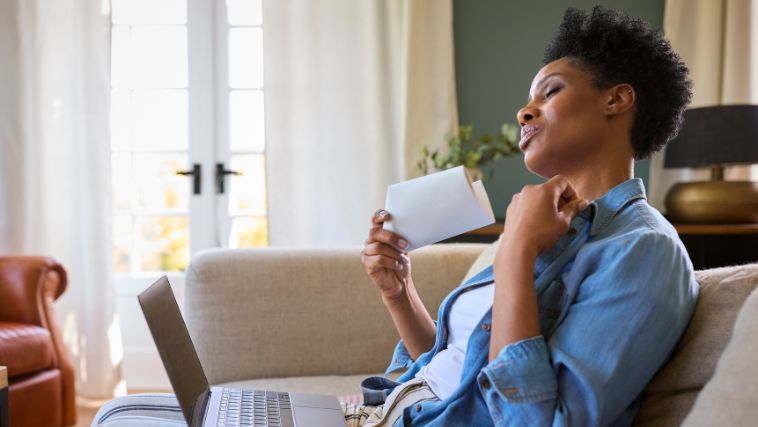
(615, 200)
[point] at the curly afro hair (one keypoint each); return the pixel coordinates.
(618, 49)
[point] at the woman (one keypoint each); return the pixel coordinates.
(590, 288)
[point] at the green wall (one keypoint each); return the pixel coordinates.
(498, 50)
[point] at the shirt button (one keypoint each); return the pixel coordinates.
(418, 408)
(572, 231)
(486, 326)
(510, 391)
(486, 383)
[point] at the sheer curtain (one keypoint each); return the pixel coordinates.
(354, 90)
(719, 44)
(55, 166)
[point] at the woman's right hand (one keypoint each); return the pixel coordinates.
(385, 259)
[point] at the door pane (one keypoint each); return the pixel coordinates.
(164, 243)
(248, 191)
(160, 119)
(246, 125)
(149, 11)
(159, 188)
(245, 58)
(244, 12)
(249, 232)
(158, 57)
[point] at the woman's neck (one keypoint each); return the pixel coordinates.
(591, 184)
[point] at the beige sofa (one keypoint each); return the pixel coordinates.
(310, 320)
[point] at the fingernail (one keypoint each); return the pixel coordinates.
(382, 214)
(404, 259)
(403, 243)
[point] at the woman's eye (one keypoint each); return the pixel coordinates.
(552, 92)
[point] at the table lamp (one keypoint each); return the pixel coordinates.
(714, 137)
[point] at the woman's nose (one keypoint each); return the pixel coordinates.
(527, 114)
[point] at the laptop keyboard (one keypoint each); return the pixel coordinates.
(255, 408)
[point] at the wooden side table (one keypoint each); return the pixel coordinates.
(709, 245)
(719, 245)
(3, 396)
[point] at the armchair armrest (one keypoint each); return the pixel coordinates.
(29, 286)
(276, 312)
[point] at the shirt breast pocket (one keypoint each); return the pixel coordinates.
(550, 302)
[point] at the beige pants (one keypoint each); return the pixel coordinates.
(406, 394)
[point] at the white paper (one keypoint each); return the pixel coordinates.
(435, 207)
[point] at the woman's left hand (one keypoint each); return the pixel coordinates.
(539, 215)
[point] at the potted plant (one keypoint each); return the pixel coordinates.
(472, 153)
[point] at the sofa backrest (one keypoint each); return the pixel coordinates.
(671, 394)
(729, 398)
(300, 312)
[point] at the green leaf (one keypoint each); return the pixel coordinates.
(463, 148)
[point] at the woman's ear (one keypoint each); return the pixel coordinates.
(621, 98)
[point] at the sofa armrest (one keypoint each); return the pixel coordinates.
(280, 312)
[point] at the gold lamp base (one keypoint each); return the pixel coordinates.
(713, 202)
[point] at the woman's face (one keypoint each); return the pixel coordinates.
(563, 123)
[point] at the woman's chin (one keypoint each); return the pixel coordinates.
(536, 167)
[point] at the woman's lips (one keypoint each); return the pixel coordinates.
(527, 132)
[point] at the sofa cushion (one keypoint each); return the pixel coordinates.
(25, 348)
(671, 394)
(730, 396)
(483, 260)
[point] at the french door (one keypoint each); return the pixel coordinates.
(187, 131)
(188, 149)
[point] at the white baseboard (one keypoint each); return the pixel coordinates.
(142, 370)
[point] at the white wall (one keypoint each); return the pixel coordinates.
(141, 368)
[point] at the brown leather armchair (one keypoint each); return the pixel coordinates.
(40, 371)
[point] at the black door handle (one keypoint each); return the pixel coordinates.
(221, 172)
(195, 173)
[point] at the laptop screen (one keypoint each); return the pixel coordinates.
(176, 350)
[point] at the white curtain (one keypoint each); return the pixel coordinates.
(719, 44)
(354, 90)
(55, 166)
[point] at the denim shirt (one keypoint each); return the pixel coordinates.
(615, 294)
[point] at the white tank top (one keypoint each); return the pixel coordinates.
(443, 373)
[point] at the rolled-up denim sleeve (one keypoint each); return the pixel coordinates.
(521, 374)
(401, 359)
(627, 314)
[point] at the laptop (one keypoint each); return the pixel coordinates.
(203, 405)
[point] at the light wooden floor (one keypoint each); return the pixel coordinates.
(85, 412)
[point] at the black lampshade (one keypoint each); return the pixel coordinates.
(719, 135)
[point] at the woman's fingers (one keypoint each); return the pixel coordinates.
(379, 217)
(572, 208)
(387, 237)
(379, 234)
(377, 248)
(376, 263)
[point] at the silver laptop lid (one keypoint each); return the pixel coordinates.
(176, 350)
